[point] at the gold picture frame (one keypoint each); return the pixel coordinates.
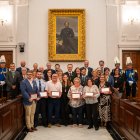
(66, 35)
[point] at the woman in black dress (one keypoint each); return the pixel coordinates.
(118, 83)
(66, 84)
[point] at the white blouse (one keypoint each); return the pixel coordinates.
(95, 90)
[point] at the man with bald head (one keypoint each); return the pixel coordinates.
(22, 65)
(88, 69)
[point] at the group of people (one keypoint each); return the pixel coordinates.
(67, 97)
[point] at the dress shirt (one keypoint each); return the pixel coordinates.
(31, 82)
(43, 84)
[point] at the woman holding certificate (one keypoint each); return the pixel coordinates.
(76, 102)
(91, 93)
(105, 101)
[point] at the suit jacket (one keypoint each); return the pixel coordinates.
(83, 81)
(27, 90)
(89, 72)
(19, 70)
(10, 80)
(71, 78)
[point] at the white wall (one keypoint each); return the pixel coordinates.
(95, 30)
(106, 34)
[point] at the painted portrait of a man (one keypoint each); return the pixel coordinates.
(66, 35)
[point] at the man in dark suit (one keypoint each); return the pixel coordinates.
(28, 88)
(23, 65)
(70, 73)
(101, 66)
(24, 74)
(12, 81)
(46, 70)
(41, 106)
(88, 69)
(83, 77)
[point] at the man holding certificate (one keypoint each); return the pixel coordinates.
(76, 102)
(91, 93)
(41, 103)
(30, 93)
(54, 90)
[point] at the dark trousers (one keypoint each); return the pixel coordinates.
(53, 108)
(3, 91)
(77, 115)
(92, 114)
(65, 111)
(130, 89)
(40, 109)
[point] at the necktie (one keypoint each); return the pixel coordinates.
(70, 76)
(13, 74)
(39, 85)
(83, 78)
(102, 70)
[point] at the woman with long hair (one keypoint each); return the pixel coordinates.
(65, 100)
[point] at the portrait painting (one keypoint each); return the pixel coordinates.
(66, 34)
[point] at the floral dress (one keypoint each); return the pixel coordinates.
(104, 105)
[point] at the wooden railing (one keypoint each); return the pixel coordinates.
(126, 118)
(11, 119)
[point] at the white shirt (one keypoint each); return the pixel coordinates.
(31, 82)
(93, 89)
(50, 86)
(43, 84)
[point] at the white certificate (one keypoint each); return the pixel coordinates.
(55, 93)
(76, 95)
(105, 90)
(33, 96)
(89, 94)
(43, 94)
(130, 83)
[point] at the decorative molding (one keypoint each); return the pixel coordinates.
(19, 2)
(125, 37)
(115, 2)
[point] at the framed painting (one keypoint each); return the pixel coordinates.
(66, 35)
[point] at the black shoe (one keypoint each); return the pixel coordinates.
(34, 128)
(96, 128)
(30, 130)
(90, 127)
(45, 125)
